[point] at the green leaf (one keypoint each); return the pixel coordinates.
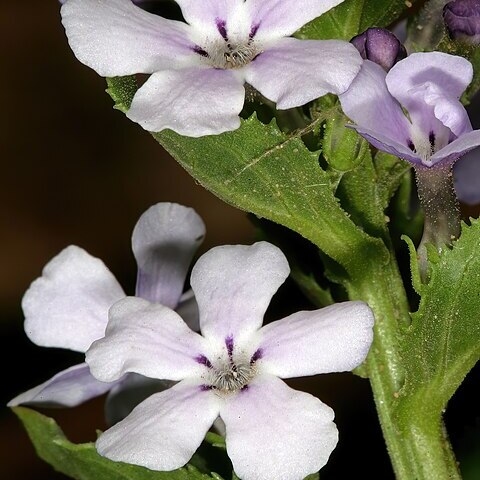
(122, 90)
(319, 296)
(343, 148)
(215, 440)
(406, 219)
(259, 169)
(443, 342)
(414, 268)
(353, 17)
(366, 191)
(81, 461)
(474, 87)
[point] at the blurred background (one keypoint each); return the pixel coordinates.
(75, 171)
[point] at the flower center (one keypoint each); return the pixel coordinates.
(424, 147)
(230, 53)
(233, 377)
(232, 373)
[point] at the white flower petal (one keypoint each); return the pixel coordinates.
(459, 147)
(233, 285)
(192, 101)
(280, 18)
(115, 37)
(145, 338)
(129, 392)
(205, 14)
(164, 241)
(448, 73)
(369, 104)
(163, 432)
(333, 339)
(449, 111)
(68, 388)
(275, 432)
(67, 306)
(387, 144)
(293, 72)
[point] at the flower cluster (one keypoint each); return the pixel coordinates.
(194, 358)
(138, 346)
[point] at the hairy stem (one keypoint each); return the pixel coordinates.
(417, 443)
(440, 204)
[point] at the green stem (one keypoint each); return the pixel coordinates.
(419, 450)
(427, 440)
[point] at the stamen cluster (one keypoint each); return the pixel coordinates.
(228, 53)
(231, 373)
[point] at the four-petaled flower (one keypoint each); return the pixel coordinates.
(437, 130)
(199, 67)
(231, 371)
(67, 307)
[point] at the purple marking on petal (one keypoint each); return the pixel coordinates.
(222, 28)
(431, 139)
(203, 53)
(256, 356)
(411, 145)
(203, 360)
(206, 388)
(229, 345)
(254, 30)
(245, 387)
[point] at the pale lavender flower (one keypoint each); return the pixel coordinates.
(67, 307)
(199, 68)
(380, 46)
(231, 371)
(462, 19)
(436, 129)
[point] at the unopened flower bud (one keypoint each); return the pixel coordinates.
(342, 147)
(380, 46)
(462, 19)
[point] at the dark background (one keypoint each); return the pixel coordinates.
(74, 171)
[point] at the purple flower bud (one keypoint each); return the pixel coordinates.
(380, 46)
(462, 19)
